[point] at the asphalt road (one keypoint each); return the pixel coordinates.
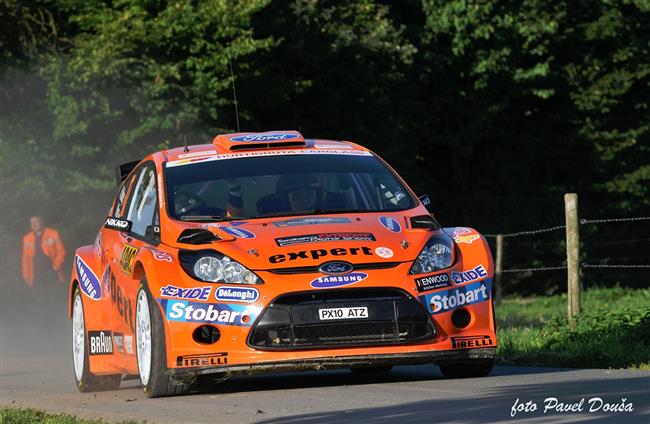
(36, 371)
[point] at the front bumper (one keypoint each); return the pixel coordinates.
(338, 362)
(397, 331)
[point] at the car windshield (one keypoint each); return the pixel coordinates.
(283, 185)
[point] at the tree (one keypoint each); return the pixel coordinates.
(571, 71)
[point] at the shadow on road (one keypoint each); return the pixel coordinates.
(495, 404)
(304, 380)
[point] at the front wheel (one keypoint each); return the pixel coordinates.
(86, 382)
(151, 349)
(475, 368)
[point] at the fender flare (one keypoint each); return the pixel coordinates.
(85, 258)
(473, 249)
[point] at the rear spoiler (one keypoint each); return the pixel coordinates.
(122, 171)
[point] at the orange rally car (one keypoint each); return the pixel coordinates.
(271, 252)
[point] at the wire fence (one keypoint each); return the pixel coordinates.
(582, 265)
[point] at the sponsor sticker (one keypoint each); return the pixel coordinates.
(159, 255)
(202, 360)
(384, 252)
(331, 281)
(238, 232)
(106, 281)
(264, 137)
(237, 294)
(448, 300)
(128, 344)
(323, 237)
(117, 224)
(468, 239)
(118, 339)
(333, 146)
(310, 221)
(185, 311)
(88, 281)
(390, 223)
(100, 342)
(468, 342)
(432, 282)
(262, 153)
(474, 274)
(198, 293)
(128, 258)
(120, 301)
(196, 154)
(320, 253)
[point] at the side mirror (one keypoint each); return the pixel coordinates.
(152, 232)
(426, 202)
(118, 224)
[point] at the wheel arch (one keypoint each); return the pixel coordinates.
(73, 288)
(472, 251)
(90, 258)
(149, 278)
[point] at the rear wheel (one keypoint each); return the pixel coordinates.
(151, 349)
(476, 368)
(86, 382)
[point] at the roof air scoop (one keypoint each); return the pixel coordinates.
(259, 140)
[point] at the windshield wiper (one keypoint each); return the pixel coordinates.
(210, 218)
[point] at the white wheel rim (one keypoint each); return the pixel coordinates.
(78, 337)
(143, 337)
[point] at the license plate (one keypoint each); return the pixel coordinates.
(343, 313)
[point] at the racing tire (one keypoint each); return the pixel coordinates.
(86, 381)
(372, 369)
(151, 350)
(477, 368)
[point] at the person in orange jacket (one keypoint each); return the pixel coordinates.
(43, 254)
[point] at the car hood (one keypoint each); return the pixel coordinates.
(305, 241)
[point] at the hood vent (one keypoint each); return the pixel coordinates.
(426, 222)
(197, 236)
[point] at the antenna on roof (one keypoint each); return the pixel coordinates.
(234, 92)
(178, 129)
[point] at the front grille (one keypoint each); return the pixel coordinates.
(292, 322)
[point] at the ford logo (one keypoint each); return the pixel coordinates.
(336, 268)
(264, 137)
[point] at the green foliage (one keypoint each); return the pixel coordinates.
(27, 30)
(612, 332)
(494, 108)
(587, 60)
(141, 73)
(122, 80)
(32, 416)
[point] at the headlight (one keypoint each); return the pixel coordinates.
(437, 254)
(212, 266)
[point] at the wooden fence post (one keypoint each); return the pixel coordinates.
(572, 254)
(498, 269)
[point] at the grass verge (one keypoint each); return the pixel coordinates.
(613, 330)
(32, 416)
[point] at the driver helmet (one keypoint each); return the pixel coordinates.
(302, 190)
